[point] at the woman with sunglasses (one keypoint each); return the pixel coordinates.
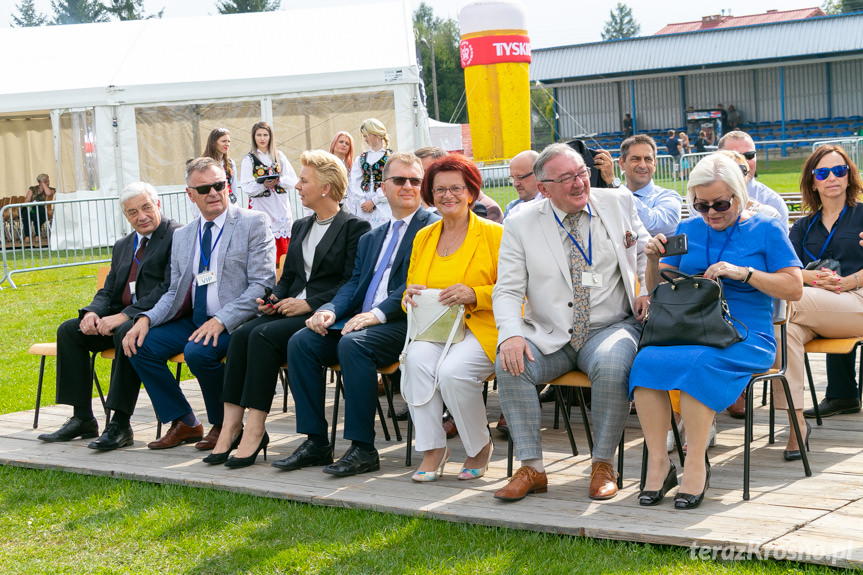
(218, 145)
(319, 261)
(266, 177)
(754, 258)
(457, 255)
(832, 303)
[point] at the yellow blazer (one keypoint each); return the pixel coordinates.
(478, 265)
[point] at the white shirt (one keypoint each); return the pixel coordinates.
(310, 244)
(609, 303)
(213, 303)
(356, 196)
(381, 293)
(276, 205)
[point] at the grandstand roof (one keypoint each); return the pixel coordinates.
(715, 21)
(825, 37)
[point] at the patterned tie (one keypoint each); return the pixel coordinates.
(199, 310)
(581, 293)
(369, 300)
(133, 272)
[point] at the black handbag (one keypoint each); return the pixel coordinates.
(827, 263)
(689, 310)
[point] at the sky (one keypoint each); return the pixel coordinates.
(550, 22)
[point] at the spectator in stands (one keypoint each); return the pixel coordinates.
(362, 328)
(627, 126)
(832, 304)
(672, 144)
(658, 208)
(220, 263)
(459, 256)
(546, 257)
(319, 261)
(140, 265)
(35, 216)
(521, 176)
(734, 118)
(742, 143)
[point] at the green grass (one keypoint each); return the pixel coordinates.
(54, 522)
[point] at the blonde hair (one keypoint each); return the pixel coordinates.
(375, 127)
(329, 169)
(718, 167)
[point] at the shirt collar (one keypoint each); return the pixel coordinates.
(407, 219)
(644, 191)
(219, 221)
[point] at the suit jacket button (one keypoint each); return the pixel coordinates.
(569, 304)
(570, 330)
(467, 316)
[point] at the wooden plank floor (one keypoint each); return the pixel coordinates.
(812, 519)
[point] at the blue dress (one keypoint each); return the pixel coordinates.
(715, 376)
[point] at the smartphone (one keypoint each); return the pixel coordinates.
(268, 292)
(676, 245)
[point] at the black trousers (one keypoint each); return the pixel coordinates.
(256, 353)
(841, 375)
(74, 382)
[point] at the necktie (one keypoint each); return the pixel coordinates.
(199, 310)
(133, 272)
(369, 300)
(581, 293)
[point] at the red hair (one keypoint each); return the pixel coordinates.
(452, 163)
(349, 157)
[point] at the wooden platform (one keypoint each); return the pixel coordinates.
(815, 520)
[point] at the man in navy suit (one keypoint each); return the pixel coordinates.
(140, 274)
(361, 329)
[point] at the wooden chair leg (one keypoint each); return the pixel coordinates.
(39, 392)
(812, 388)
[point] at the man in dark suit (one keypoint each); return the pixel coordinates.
(220, 263)
(361, 329)
(139, 267)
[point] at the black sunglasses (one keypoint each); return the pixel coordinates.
(824, 173)
(748, 155)
(205, 189)
(401, 180)
(704, 207)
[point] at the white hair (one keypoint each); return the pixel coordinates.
(718, 167)
(135, 189)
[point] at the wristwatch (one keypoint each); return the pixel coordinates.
(748, 277)
(616, 183)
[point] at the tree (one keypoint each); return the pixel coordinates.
(242, 6)
(28, 16)
(78, 11)
(833, 7)
(620, 24)
(450, 76)
(131, 10)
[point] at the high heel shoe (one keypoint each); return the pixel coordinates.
(687, 501)
(648, 498)
(794, 454)
(220, 458)
(237, 462)
(424, 476)
(466, 473)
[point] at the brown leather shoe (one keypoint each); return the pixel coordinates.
(526, 480)
(209, 442)
(603, 481)
(737, 410)
(449, 426)
(178, 434)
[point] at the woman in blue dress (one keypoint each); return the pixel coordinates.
(752, 255)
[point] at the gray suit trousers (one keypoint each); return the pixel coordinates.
(606, 358)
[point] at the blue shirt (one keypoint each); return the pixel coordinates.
(658, 208)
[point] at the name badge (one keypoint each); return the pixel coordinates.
(205, 278)
(591, 279)
(132, 288)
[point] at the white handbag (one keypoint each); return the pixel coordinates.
(431, 321)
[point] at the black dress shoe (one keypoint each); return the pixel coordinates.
(794, 454)
(73, 428)
(220, 458)
(307, 455)
(687, 501)
(353, 462)
(403, 413)
(547, 394)
(115, 436)
(834, 406)
(649, 498)
(234, 462)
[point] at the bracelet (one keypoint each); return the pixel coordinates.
(748, 275)
(857, 278)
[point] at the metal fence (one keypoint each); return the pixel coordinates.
(64, 233)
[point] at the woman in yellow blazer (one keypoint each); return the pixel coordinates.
(457, 255)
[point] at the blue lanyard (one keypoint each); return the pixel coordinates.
(829, 236)
(201, 246)
(589, 256)
(725, 245)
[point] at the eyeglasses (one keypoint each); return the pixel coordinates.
(583, 174)
(744, 168)
(513, 179)
(824, 173)
(704, 207)
(454, 190)
(401, 180)
(205, 189)
(748, 155)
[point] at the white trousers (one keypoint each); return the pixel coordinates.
(460, 379)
